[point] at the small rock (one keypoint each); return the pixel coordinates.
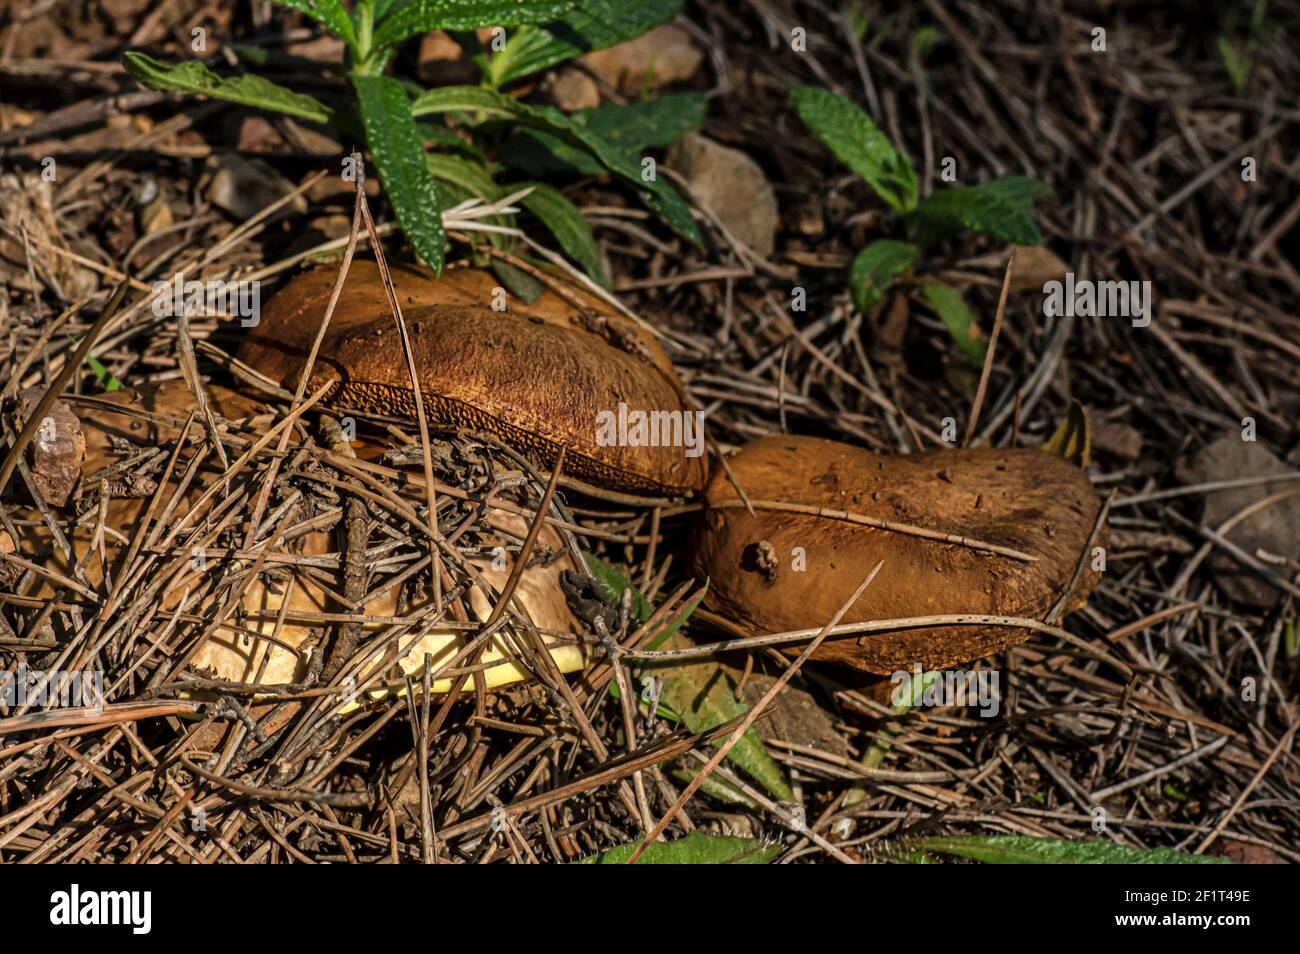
(256, 134)
(733, 186)
(793, 716)
(1036, 265)
(441, 61)
(243, 187)
(334, 188)
(661, 57)
(9, 572)
(1275, 529)
(1118, 440)
(155, 216)
(56, 451)
(573, 90)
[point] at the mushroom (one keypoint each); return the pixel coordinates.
(538, 376)
(801, 555)
(257, 653)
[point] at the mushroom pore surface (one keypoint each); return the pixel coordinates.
(536, 376)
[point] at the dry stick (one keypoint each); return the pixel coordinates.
(57, 385)
(431, 493)
(893, 526)
(274, 467)
(992, 349)
(752, 715)
(1283, 744)
(1161, 770)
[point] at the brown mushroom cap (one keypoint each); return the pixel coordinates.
(1027, 500)
(535, 375)
(251, 655)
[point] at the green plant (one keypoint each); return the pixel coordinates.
(397, 119)
(1238, 56)
(1002, 208)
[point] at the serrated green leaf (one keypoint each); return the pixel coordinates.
(464, 99)
(470, 176)
(398, 154)
(696, 848)
(248, 90)
(704, 696)
(634, 127)
(594, 25)
(565, 222)
(466, 179)
(960, 322)
(442, 136)
(1022, 850)
(875, 267)
(1002, 208)
(858, 143)
(328, 12)
(648, 122)
(421, 16)
(659, 195)
(701, 693)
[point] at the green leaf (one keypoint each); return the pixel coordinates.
(471, 176)
(247, 90)
(704, 696)
(103, 377)
(464, 99)
(875, 267)
(634, 127)
(328, 12)
(858, 143)
(565, 222)
(659, 195)
(615, 583)
(398, 154)
(1022, 850)
(679, 620)
(1002, 208)
(701, 693)
(696, 848)
(421, 16)
(649, 122)
(464, 179)
(517, 281)
(594, 25)
(959, 321)
(1237, 61)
